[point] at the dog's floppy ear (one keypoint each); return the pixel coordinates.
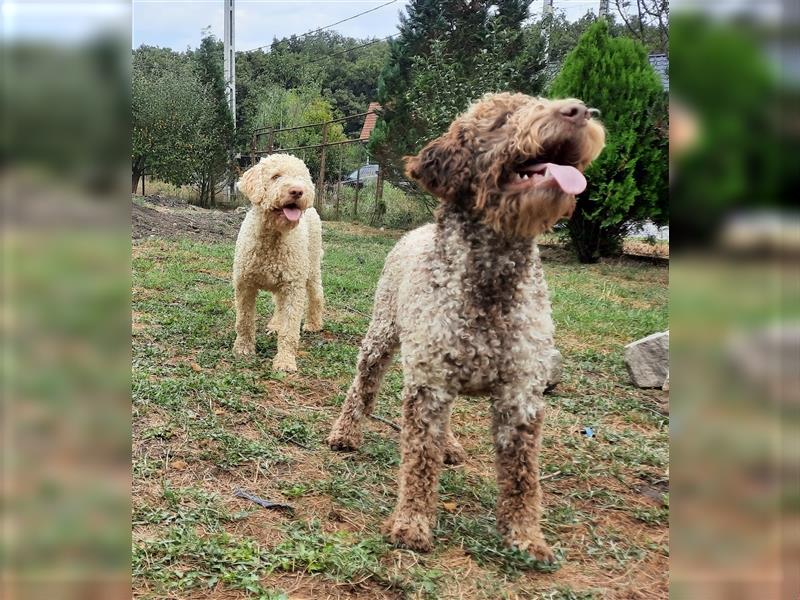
(249, 184)
(443, 167)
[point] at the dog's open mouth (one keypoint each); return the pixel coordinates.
(544, 171)
(291, 211)
(541, 174)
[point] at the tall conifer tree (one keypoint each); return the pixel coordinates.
(448, 53)
(628, 182)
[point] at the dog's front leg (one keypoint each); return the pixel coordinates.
(293, 302)
(517, 428)
(422, 440)
(245, 300)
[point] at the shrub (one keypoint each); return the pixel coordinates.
(628, 182)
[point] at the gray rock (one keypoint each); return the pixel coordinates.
(647, 360)
(765, 361)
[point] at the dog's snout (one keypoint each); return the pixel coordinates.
(575, 112)
(296, 193)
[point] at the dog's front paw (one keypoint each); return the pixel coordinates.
(243, 348)
(454, 453)
(313, 325)
(409, 531)
(344, 439)
(274, 325)
(284, 363)
(535, 546)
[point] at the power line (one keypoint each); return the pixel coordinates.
(339, 53)
(346, 50)
(302, 35)
(388, 37)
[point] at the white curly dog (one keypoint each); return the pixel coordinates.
(279, 249)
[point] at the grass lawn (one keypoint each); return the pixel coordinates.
(206, 424)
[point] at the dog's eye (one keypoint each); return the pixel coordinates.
(276, 176)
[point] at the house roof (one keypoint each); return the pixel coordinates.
(660, 64)
(369, 121)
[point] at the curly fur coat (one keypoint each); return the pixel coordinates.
(279, 249)
(466, 303)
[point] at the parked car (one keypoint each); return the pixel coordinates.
(362, 175)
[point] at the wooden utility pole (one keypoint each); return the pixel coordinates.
(603, 12)
(230, 73)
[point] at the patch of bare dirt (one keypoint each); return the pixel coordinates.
(644, 248)
(556, 250)
(365, 230)
(171, 218)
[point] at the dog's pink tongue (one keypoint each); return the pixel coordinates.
(569, 178)
(292, 212)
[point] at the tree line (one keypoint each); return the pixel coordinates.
(446, 54)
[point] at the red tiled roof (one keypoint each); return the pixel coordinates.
(369, 121)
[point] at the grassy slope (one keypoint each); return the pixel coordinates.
(206, 423)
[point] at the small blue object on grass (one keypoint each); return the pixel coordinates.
(587, 432)
(261, 502)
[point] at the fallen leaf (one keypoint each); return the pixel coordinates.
(196, 368)
(179, 465)
(219, 411)
(449, 506)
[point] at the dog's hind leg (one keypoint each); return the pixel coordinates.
(316, 297)
(276, 322)
(454, 453)
(245, 300)
(316, 300)
(293, 301)
(425, 411)
(376, 353)
(517, 428)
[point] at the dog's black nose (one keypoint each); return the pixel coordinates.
(296, 193)
(575, 112)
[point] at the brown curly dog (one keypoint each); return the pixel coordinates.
(466, 302)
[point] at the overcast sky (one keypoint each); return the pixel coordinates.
(178, 23)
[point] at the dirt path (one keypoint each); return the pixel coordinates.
(170, 218)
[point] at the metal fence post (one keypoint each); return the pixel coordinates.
(339, 183)
(380, 207)
(358, 187)
(321, 181)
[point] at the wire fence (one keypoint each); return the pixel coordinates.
(346, 181)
